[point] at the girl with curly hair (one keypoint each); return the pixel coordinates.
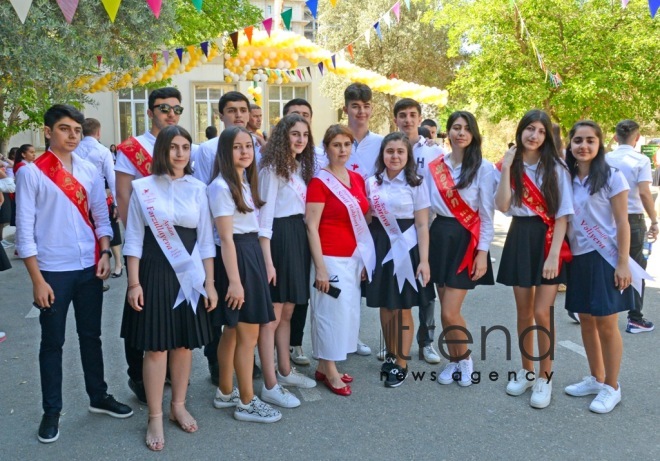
(287, 166)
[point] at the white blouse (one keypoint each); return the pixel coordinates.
(401, 199)
(222, 204)
(281, 199)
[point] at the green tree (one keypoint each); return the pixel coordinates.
(606, 56)
(40, 59)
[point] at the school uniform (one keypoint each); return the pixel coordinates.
(364, 155)
(425, 154)
(402, 201)
(205, 155)
(523, 255)
(124, 165)
(258, 307)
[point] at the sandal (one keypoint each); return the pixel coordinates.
(188, 423)
(155, 443)
(115, 275)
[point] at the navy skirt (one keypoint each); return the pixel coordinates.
(258, 307)
(523, 255)
(289, 249)
(159, 326)
(590, 288)
(449, 241)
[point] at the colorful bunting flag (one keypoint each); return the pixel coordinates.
(154, 59)
(367, 36)
(155, 6)
(205, 48)
(286, 18)
(377, 27)
(397, 11)
(350, 50)
(166, 57)
(624, 3)
(179, 53)
(248, 33)
(99, 60)
(654, 5)
(333, 3)
(387, 20)
(309, 71)
(234, 39)
(321, 67)
(407, 4)
(334, 62)
(111, 7)
(198, 4)
(21, 7)
(313, 6)
(68, 8)
(300, 75)
(268, 25)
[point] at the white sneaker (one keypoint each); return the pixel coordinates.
(226, 401)
(446, 376)
(279, 396)
(541, 393)
(466, 367)
(362, 349)
(606, 400)
(298, 356)
(256, 411)
(430, 355)
(296, 379)
(520, 384)
(588, 386)
(381, 354)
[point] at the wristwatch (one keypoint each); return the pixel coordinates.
(105, 252)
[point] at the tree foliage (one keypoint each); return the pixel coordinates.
(606, 56)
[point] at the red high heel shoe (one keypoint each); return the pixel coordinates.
(345, 377)
(343, 391)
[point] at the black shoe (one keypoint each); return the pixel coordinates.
(109, 406)
(214, 371)
(105, 287)
(396, 376)
(256, 371)
(388, 364)
(138, 389)
(574, 316)
(49, 428)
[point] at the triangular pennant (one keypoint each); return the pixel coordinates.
(350, 50)
(268, 25)
(333, 3)
(387, 20)
(234, 39)
(286, 18)
(68, 8)
(99, 60)
(198, 4)
(334, 62)
(367, 36)
(407, 4)
(111, 7)
(397, 11)
(300, 75)
(155, 6)
(22, 7)
(205, 48)
(377, 27)
(309, 71)
(154, 59)
(166, 57)
(624, 3)
(654, 5)
(313, 6)
(321, 67)
(267, 72)
(179, 53)
(278, 73)
(248, 33)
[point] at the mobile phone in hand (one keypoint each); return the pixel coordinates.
(44, 310)
(332, 291)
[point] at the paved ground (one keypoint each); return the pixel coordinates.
(419, 420)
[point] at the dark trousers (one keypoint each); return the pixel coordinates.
(86, 291)
(426, 326)
(637, 233)
(298, 320)
(211, 349)
(134, 356)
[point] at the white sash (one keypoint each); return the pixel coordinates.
(299, 188)
(189, 268)
(401, 242)
(605, 245)
(365, 244)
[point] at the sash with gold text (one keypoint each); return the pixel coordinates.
(137, 155)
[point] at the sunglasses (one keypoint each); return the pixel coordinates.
(166, 108)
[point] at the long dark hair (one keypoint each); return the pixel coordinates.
(19, 156)
(162, 164)
(224, 166)
(599, 170)
(277, 153)
(549, 159)
(410, 169)
(472, 155)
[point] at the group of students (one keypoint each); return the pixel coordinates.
(225, 241)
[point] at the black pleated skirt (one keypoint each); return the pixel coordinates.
(116, 231)
(291, 257)
(523, 255)
(448, 243)
(5, 264)
(159, 327)
(590, 288)
(258, 307)
(5, 209)
(383, 290)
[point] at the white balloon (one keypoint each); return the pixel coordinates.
(226, 72)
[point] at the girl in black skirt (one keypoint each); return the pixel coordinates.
(400, 213)
(461, 188)
(534, 187)
(168, 217)
(598, 281)
(240, 278)
(287, 166)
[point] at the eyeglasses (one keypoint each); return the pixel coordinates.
(166, 108)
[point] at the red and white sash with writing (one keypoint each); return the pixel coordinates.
(189, 269)
(137, 155)
(51, 166)
(298, 185)
(400, 242)
(466, 216)
(365, 243)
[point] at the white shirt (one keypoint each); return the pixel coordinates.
(281, 199)
(425, 154)
(563, 184)
(124, 165)
(400, 198)
(479, 195)
(598, 206)
(93, 151)
(636, 168)
(8, 169)
(205, 158)
(364, 155)
(222, 204)
(51, 227)
(187, 206)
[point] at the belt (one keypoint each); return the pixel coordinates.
(636, 217)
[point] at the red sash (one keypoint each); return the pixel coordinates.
(533, 199)
(137, 155)
(17, 166)
(466, 216)
(51, 166)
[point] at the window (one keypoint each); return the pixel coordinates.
(311, 26)
(278, 96)
(206, 108)
(133, 120)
